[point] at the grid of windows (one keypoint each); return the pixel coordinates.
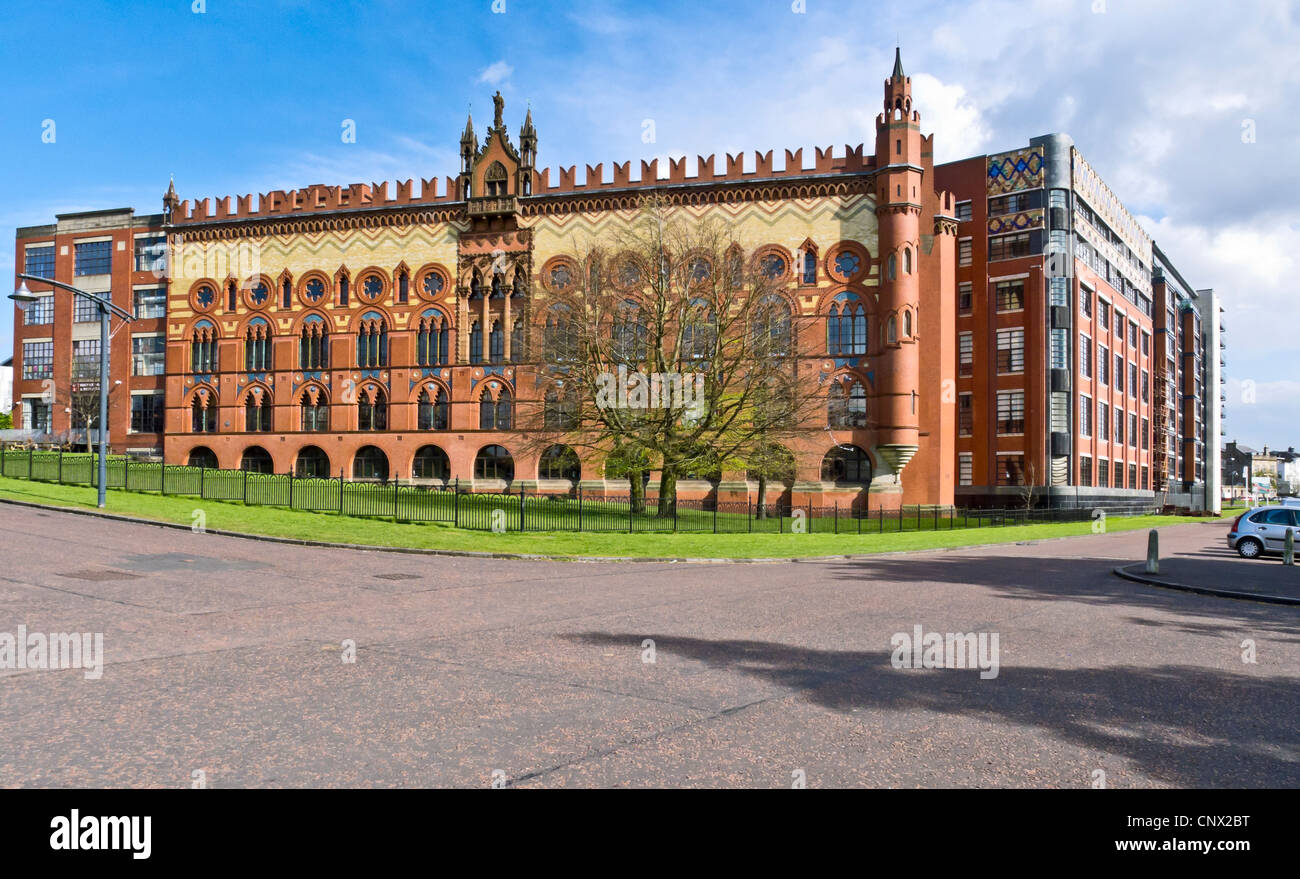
(84, 310)
(1119, 373)
(147, 353)
(1085, 416)
(36, 414)
(964, 250)
(1085, 301)
(1011, 469)
(964, 297)
(94, 258)
(965, 414)
(964, 212)
(1119, 474)
(1085, 356)
(1119, 425)
(1103, 473)
(965, 468)
(1085, 471)
(1011, 350)
(1103, 365)
(39, 312)
(1103, 314)
(965, 354)
(150, 303)
(1103, 422)
(1132, 430)
(39, 261)
(147, 413)
(85, 361)
(1011, 295)
(1132, 476)
(38, 360)
(1010, 246)
(151, 254)
(1011, 412)
(1132, 378)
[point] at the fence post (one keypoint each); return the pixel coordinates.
(455, 504)
(394, 500)
(715, 513)
(31, 451)
(810, 518)
(291, 489)
(900, 518)
(837, 517)
(202, 470)
(246, 487)
(880, 519)
(936, 518)
(749, 513)
(60, 466)
(340, 492)
(629, 509)
(674, 514)
(579, 509)
(126, 473)
(521, 509)
(162, 479)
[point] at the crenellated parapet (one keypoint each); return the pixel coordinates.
(318, 198)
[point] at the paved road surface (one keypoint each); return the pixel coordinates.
(224, 655)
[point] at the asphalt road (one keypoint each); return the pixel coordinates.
(225, 657)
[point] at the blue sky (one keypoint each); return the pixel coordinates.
(247, 97)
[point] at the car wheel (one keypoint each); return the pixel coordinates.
(1249, 548)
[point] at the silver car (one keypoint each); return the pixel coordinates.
(1262, 530)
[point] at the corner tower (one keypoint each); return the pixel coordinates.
(899, 204)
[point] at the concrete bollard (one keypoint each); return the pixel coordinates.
(1288, 547)
(1153, 552)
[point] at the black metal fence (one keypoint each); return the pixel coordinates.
(520, 511)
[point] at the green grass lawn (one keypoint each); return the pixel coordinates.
(279, 522)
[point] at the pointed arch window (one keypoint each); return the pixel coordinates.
(431, 339)
(403, 287)
(257, 411)
(498, 287)
(476, 287)
(494, 180)
(343, 290)
(314, 410)
(891, 330)
(203, 348)
(203, 414)
(496, 343)
(257, 346)
(560, 337)
(808, 274)
(893, 266)
(372, 409)
(907, 260)
(432, 409)
(518, 286)
(630, 332)
(846, 328)
(372, 343)
(907, 325)
(313, 345)
(517, 341)
(495, 413)
(476, 342)
(773, 336)
(560, 409)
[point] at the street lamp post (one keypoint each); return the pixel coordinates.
(24, 297)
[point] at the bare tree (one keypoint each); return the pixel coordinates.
(666, 344)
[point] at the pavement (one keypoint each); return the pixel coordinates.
(225, 660)
(1217, 570)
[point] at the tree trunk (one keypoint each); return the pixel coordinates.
(636, 495)
(667, 492)
(761, 512)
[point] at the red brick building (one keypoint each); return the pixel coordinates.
(57, 339)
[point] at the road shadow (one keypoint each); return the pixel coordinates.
(1185, 726)
(1082, 580)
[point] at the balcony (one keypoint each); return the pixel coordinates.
(492, 206)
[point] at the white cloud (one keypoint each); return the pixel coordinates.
(496, 73)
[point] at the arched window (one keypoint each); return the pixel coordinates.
(372, 409)
(257, 346)
(907, 325)
(476, 287)
(772, 337)
(372, 342)
(893, 266)
(256, 460)
(698, 331)
(494, 412)
(431, 340)
(403, 288)
(430, 462)
(202, 456)
(846, 405)
(559, 462)
(315, 410)
(494, 180)
(560, 338)
(517, 341)
(891, 330)
(560, 409)
(203, 412)
(370, 464)
(203, 348)
(494, 462)
(519, 286)
(907, 260)
(432, 414)
(343, 290)
(630, 332)
(313, 344)
(846, 327)
(257, 411)
(312, 462)
(496, 343)
(498, 288)
(809, 267)
(847, 464)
